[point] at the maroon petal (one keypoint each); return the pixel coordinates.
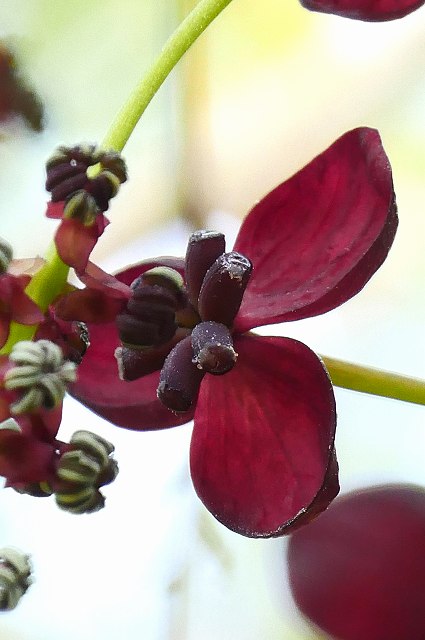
(75, 241)
(24, 310)
(130, 274)
(358, 571)
(133, 405)
(24, 459)
(319, 237)
(369, 10)
(262, 448)
(55, 210)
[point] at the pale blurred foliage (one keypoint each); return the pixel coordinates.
(264, 90)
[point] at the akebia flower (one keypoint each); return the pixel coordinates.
(358, 571)
(79, 200)
(368, 10)
(32, 458)
(262, 450)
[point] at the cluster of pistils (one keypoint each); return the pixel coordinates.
(215, 284)
(82, 471)
(154, 319)
(6, 255)
(69, 180)
(15, 577)
(40, 375)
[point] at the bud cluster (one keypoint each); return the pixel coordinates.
(85, 196)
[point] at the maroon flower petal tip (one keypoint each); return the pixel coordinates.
(358, 571)
(203, 249)
(132, 405)
(75, 241)
(319, 237)
(367, 10)
(223, 288)
(266, 463)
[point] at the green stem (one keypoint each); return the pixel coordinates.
(178, 43)
(374, 381)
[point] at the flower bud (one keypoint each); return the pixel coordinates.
(82, 471)
(15, 577)
(40, 374)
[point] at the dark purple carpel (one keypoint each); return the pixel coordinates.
(358, 571)
(180, 378)
(212, 346)
(203, 249)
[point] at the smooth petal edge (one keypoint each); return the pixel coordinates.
(207, 433)
(298, 266)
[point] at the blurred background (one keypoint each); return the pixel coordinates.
(267, 88)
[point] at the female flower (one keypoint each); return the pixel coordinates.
(262, 451)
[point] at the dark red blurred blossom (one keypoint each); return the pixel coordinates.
(358, 571)
(16, 99)
(262, 451)
(368, 10)
(80, 200)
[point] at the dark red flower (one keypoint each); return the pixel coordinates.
(358, 571)
(262, 453)
(368, 10)
(79, 200)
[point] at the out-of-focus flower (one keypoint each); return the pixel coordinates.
(262, 452)
(79, 200)
(368, 10)
(14, 303)
(15, 97)
(15, 577)
(358, 571)
(32, 459)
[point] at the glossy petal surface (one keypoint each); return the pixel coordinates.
(368, 10)
(263, 437)
(126, 404)
(358, 571)
(317, 238)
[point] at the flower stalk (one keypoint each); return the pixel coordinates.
(176, 46)
(375, 381)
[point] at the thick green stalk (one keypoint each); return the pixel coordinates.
(178, 43)
(374, 381)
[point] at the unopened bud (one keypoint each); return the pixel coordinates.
(40, 374)
(15, 577)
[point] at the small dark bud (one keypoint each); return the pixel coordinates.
(223, 288)
(180, 378)
(68, 172)
(213, 348)
(203, 248)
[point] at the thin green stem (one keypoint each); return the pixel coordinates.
(177, 45)
(374, 381)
